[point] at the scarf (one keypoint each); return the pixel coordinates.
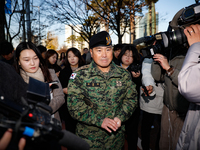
(37, 75)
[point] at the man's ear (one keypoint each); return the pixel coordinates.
(91, 52)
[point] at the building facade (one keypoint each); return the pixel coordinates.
(71, 38)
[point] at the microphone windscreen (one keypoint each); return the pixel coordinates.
(71, 141)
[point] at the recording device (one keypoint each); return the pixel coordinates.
(163, 41)
(145, 90)
(135, 67)
(34, 120)
(53, 82)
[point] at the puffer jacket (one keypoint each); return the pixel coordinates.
(154, 102)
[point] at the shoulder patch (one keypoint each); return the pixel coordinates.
(73, 76)
(83, 67)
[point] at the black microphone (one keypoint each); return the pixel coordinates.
(146, 39)
(71, 141)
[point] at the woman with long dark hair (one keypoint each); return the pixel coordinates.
(61, 60)
(51, 57)
(29, 63)
(73, 61)
(130, 59)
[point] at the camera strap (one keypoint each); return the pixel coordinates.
(18, 123)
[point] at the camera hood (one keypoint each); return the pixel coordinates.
(186, 16)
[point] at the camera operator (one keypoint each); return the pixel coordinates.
(175, 105)
(13, 91)
(188, 85)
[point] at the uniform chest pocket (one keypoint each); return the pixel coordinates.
(117, 88)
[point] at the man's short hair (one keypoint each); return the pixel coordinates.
(6, 48)
(85, 49)
(117, 47)
(42, 48)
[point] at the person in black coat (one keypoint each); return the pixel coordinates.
(73, 60)
(129, 59)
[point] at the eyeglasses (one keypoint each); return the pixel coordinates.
(127, 55)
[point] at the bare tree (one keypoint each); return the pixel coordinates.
(13, 22)
(113, 12)
(73, 13)
(120, 14)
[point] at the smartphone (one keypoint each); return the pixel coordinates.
(145, 90)
(53, 82)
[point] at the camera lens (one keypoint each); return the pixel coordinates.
(177, 37)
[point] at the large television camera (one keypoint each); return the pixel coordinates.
(163, 41)
(33, 118)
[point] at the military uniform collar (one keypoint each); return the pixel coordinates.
(114, 70)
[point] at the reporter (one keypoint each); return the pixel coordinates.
(73, 61)
(51, 57)
(151, 105)
(188, 85)
(29, 63)
(175, 105)
(127, 57)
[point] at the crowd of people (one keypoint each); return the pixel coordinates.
(101, 95)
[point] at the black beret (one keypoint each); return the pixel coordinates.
(100, 39)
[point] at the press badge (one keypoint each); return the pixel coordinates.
(73, 76)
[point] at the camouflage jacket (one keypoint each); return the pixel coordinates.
(94, 95)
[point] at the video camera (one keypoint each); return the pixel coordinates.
(135, 67)
(34, 118)
(170, 39)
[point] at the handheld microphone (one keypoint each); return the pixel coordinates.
(146, 40)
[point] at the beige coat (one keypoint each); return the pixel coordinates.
(58, 96)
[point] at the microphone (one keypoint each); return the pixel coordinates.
(145, 39)
(71, 141)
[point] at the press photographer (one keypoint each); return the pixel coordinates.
(168, 50)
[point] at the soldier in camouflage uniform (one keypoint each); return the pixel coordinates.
(101, 96)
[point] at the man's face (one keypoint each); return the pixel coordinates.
(102, 56)
(85, 50)
(117, 52)
(9, 56)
